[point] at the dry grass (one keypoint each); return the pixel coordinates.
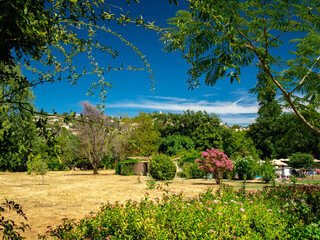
(74, 194)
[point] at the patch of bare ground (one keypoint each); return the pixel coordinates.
(75, 194)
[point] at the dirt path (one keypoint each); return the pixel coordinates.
(74, 194)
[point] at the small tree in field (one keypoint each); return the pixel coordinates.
(37, 165)
(215, 162)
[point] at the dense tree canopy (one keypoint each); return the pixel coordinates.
(220, 38)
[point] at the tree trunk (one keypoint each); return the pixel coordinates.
(95, 170)
(218, 177)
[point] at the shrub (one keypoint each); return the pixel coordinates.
(302, 201)
(108, 162)
(245, 166)
(267, 172)
(188, 157)
(151, 184)
(301, 160)
(216, 162)
(162, 167)
(187, 162)
(175, 144)
(228, 216)
(191, 170)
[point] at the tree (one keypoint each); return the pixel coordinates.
(301, 160)
(204, 129)
(240, 145)
(277, 134)
(268, 126)
(175, 144)
(145, 135)
(37, 164)
(220, 38)
(245, 167)
(207, 136)
(120, 140)
(267, 171)
(93, 132)
(183, 124)
(46, 37)
(216, 162)
(18, 133)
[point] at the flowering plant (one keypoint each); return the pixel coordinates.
(215, 162)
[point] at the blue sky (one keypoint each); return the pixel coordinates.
(132, 92)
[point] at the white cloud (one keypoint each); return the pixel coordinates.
(174, 104)
(171, 98)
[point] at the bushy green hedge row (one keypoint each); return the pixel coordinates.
(227, 215)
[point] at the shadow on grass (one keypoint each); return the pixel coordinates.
(87, 174)
(205, 183)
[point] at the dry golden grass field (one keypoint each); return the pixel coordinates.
(75, 194)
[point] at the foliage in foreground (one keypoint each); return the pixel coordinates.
(227, 214)
(8, 228)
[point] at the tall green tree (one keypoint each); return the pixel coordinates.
(239, 145)
(220, 38)
(204, 129)
(18, 133)
(183, 124)
(267, 127)
(145, 135)
(277, 134)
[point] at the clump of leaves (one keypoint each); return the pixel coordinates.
(162, 167)
(151, 184)
(36, 164)
(9, 228)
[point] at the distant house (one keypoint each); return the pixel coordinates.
(142, 167)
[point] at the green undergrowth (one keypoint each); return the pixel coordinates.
(282, 212)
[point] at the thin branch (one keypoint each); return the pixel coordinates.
(285, 93)
(304, 78)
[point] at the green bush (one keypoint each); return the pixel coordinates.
(301, 201)
(228, 215)
(267, 172)
(162, 167)
(188, 157)
(151, 184)
(175, 144)
(191, 170)
(301, 160)
(245, 166)
(54, 164)
(107, 162)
